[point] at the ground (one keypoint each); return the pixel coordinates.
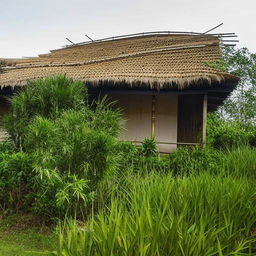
(23, 235)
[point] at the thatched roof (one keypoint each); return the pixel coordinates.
(155, 61)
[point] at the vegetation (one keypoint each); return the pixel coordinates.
(2, 64)
(241, 106)
(24, 235)
(160, 215)
(64, 148)
(222, 134)
(63, 162)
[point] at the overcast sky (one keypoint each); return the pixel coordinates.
(31, 27)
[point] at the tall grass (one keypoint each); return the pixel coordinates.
(159, 215)
(240, 162)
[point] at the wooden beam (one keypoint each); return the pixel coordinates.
(205, 101)
(155, 92)
(215, 98)
(153, 117)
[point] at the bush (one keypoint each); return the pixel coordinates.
(128, 155)
(66, 149)
(15, 180)
(46, 97)
(187, 160)
(226, 135)
(240, 163)
(7, 146)
(252, 136)
(56, 195)
(71, 144)
(148, 148)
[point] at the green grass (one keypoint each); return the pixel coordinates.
(157, 215)
(20, 236)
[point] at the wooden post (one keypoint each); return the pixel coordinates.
(153, 117)
(205, 101)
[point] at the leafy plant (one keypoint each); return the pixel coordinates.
(148, 147)
(70, 143)
(241, 105)
(224, 135)
(46, 97)
(194, 160)
(157, 215)
(15, 180)
(220, 64)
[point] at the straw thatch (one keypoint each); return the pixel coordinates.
(157, 61)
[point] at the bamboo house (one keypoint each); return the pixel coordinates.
(163, 82)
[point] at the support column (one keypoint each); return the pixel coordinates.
(205, 102)
(153, 117)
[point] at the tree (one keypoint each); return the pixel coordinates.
(2, 64)
(241, 105)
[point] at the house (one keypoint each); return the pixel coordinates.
(164, 82)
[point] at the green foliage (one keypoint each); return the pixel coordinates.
(60, 195)
(241, 105)
(71, 157)
(193, 160)
(159, 215)
(220, 64)
(71, 145)
(223, 135)
(25, 235)
(240, 163)
(128, 155)
(105, 117)
(15, 180)
(149, 147)
(7, 146)
(2, 64)
(46, 97)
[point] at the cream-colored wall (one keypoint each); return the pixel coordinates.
(137, 111)
(166, 122)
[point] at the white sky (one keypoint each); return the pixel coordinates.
(31, 27)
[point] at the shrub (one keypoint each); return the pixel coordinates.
(226, 135)
(56, 195)
(128, 155)
(240, 163)
(67, 149)
(7, 146)
(71, 144)
(15, 180)
(187, 160)
(252, 136)
(105, 117)
(148, 147)
(46, 97)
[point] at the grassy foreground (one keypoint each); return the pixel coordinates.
(202, 215)
(19, 236)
